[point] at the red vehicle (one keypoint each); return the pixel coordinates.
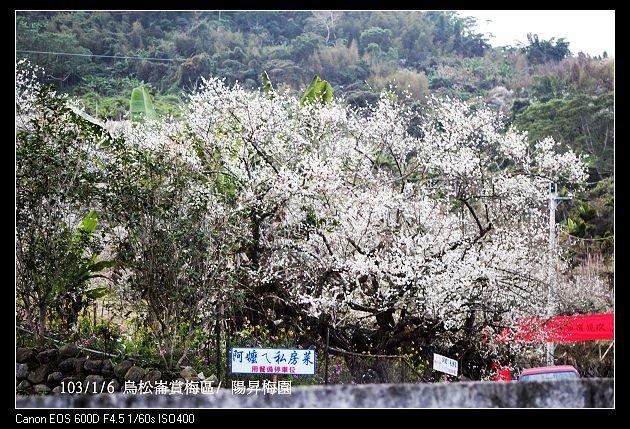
(559, 372)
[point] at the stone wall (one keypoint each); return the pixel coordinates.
(45, 371)
(582, 393)
(68, 369)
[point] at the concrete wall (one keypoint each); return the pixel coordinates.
(583, 393)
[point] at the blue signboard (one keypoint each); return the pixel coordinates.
(256, 360)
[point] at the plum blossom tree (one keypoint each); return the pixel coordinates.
(390, 231)
(55, 177)
(170, 232)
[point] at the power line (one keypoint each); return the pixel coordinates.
(100, 56)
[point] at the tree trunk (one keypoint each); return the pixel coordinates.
(41, 322)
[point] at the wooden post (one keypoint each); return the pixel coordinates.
(228, 345)
(326, 357)
(218, 341)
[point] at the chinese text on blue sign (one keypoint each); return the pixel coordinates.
(255, 360)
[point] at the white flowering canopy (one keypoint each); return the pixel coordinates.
(359, 213)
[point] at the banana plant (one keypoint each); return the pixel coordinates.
(319, 91)
(141, 105)
(71, 290)
(267, 87)
(92, 269)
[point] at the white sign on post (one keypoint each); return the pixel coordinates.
(444, 364)
(257, 360)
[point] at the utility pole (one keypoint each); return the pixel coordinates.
(553, 204)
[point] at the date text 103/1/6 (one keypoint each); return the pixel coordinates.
(86, 387)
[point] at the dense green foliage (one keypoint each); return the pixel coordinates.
(347, 48)
(584, 122)
(56, 180)
(541, 51)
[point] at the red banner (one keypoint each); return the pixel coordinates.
(558, 329)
